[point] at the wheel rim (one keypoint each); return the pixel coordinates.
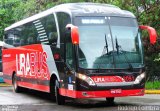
(56, 93)
(14, 83)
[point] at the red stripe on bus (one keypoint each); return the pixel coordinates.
(100, 94)
(34, 86)
(8, 81)
(31, 86)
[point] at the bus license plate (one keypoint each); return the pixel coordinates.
(116, 91)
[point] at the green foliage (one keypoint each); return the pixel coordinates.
(153, 85)
(6, 14)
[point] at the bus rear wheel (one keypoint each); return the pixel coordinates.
(16, 88)
(110, 100)
(60, 100)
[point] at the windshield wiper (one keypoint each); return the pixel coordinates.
(105, 47)
(104, 52)
(125, 56)
(117, 46)
(106, 43)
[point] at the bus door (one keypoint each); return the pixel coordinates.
(70, 66)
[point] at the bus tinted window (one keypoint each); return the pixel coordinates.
(69, 54)
(50, 29)
(23, 35)
(39, 31)
(9, 37)
(12, 37)
(63, 20)
(29, 34)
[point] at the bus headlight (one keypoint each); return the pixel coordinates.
(139, 78)
(86, 79)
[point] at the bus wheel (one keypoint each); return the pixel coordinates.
(52, 91)
(60, 100)
(16, 88)
(110, 100)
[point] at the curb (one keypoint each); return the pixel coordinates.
(4, 85)
(152, 91)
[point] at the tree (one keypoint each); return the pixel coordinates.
(6, 14)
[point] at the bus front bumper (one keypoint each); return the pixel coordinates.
(101, 94)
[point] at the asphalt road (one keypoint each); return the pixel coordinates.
(31, 100)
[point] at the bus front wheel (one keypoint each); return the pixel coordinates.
(60, 100)
(16, 88)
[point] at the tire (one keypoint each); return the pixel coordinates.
(16, 88)
(60, 100)
(52, 91)
(110, 100)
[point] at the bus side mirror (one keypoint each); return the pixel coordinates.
(74, 33)
(151, 31)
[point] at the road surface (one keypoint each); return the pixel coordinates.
(37, 101)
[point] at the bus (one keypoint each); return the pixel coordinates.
(77, 50)
(2, 45)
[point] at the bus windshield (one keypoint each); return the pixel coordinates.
(109, 42)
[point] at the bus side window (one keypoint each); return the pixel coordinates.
(63, 20)
(9, 37)
(30, 40)
(53, 37)
(38, 39)
(16, 41)
(10, 41)
(22, 42)
(50, 28)
(29, 34)
(17, 36)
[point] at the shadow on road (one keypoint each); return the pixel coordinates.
(75, 103)
(37, 94)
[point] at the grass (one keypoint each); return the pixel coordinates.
(153, 85)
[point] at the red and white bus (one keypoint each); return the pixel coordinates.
(77, 50)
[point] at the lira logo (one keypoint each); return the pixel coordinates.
(32, 64)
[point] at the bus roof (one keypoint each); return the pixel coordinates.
(78, 9)
(93, 8)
